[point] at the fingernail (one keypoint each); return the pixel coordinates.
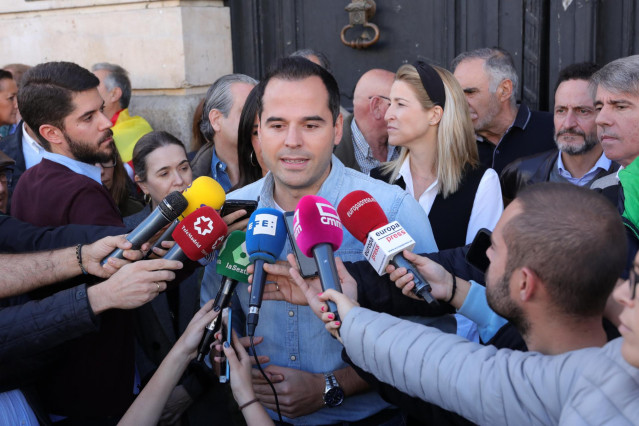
(319, 294)
(337, 323)
(331, 316)
(226, 345)
(217, 308)
(323, 308)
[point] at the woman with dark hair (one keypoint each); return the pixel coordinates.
(161, 167)
(116, 180)
(249, 153)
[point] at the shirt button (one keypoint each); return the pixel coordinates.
(291, 313)
(293, 357)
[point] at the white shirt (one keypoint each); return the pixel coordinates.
(487, 207)
(31, 149)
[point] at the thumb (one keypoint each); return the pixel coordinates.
(411, 257)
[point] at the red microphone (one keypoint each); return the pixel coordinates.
(197, 235)
(383, 241)
(318, 233)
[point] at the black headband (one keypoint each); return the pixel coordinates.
(432, 83)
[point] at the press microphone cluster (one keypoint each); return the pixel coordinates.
(318, 234)
(265, 239)
(166, 212)
(383, 241)
(203, 191)
(231, 265)
(197, 235)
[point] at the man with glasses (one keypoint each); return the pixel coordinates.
(364, 144)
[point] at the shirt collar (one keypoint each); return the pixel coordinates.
(329, 190)
(404, 173)
(31, 143)
(84, 169)
(522, 118)
(602, 163)
(360, 142)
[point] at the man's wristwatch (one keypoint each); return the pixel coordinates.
(333, 393)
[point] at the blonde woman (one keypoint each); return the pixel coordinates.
(429, 119)
(438, 164)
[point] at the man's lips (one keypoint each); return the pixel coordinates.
(294, 162)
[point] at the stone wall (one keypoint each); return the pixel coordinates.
(173, 50)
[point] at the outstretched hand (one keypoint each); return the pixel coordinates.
(344, 306)
(439, 279)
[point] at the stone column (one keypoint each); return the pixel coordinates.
(173, 50)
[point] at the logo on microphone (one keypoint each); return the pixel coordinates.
(328, 215)
(203, 225)
(297, 227)
(239, 255)
(265, 224)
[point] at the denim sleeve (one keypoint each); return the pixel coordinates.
(413, 218)
(476, 309)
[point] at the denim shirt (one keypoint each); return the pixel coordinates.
(218, 172)
(293, 336)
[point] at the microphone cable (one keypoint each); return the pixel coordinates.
(259, 366)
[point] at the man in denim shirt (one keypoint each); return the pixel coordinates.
(299, 125)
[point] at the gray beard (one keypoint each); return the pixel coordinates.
(589, 143)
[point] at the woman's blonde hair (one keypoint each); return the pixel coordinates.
(456, 143)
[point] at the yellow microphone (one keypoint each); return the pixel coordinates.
(203, 191)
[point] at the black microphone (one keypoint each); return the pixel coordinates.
(166, 212)
(265, 238)
(166, 236)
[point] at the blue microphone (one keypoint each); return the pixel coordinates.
(265, 239)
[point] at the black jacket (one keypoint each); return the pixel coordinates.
(534, 169)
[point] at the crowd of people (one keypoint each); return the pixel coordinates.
(544, 332)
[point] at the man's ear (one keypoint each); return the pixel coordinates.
(52, 134)
(214, 118)
(115, 95)
(339, 129)
(375, 108)
(529, 284)
(505, 90)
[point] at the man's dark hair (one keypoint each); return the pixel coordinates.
(295, 69)
(578, 71)
(46, 94)
(5, 75)
(573, 239)
(321, 57)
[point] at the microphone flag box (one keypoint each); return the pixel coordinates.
(384, 243)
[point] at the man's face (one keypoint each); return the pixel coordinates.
(5, 177)
(618, 125)
(297, 133)
(498, 292)
(629, 319)
(8, 101)
(574, 117)
(227, 131)
(483, 104)
(87, 131)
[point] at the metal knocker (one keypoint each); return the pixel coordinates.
(359, 12)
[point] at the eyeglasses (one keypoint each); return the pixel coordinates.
(632, 280)
(109, 165)
(387, 99)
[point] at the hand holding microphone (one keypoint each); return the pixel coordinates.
(166, 212)
(318, 233)
(383, 241)
(231, 264)
(265, 239)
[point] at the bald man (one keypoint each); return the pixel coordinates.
(364, 144)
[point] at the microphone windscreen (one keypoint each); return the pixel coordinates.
(265, 235)
(203, 191)
(233, 258)
(316, 222)
(361, 214)
(200, 233)
(173, 205)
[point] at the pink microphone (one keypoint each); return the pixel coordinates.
(318, 233)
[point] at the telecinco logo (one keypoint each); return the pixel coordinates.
(239, 255)
(328, 215)
(203, 225)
